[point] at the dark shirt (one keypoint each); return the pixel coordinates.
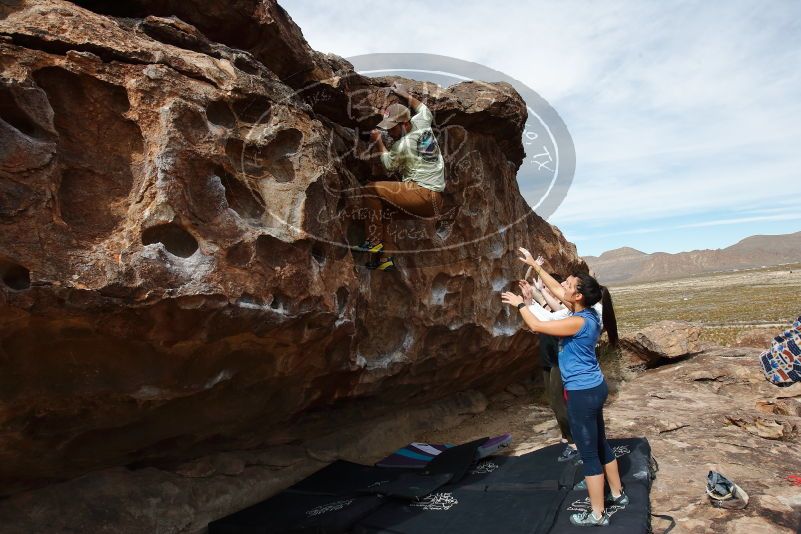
(549, 351)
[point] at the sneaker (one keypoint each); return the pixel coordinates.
(622, 500)
(381, 264)
(369, 246)
(568, 454)
(586, 519)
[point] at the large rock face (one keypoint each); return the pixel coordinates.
(175, 273)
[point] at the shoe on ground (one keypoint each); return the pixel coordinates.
(569, 454)
(381, 264)
(586, 519)
(622, 500)
(369, 246)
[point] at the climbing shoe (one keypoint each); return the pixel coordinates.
(369, 246)
(621, 500)
(381, 264)
(587, 519)
(723, 493)
(568, 454)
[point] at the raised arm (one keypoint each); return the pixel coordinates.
(378, 142)
(545, 315)
(530, 293)
(561, 328)
(400, 90)
(550, 282)
(537, 289)
(552, 302)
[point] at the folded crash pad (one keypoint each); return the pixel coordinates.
(418, 455)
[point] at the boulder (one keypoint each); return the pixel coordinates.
(177, 185)
(661, 342)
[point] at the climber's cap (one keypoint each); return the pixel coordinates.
(393, 115)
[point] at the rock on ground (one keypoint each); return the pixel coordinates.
(707, 413)
(660, 342)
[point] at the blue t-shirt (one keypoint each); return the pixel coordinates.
(578, 364)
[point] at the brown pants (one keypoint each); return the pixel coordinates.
(396, 200)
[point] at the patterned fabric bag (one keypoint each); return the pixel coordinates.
(782, 362)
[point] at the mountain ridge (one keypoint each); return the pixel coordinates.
(628, 265)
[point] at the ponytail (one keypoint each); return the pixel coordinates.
(608, 319)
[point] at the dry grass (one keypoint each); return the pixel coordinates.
(724, 304)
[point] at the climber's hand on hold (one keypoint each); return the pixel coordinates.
(511, 298)
(399, 89)
(375, 135)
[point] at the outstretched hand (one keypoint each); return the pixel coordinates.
(527, 258)
(510, 298)
(525, 287)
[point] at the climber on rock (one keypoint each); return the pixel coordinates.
(417, 156)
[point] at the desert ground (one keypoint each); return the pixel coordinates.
(723, 304)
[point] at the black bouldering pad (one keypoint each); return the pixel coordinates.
(345, 478)
(536, 467)
(410, 486)
(463, 510)
(292, 512)
(635, 518)
(634, 459)
(531, 493)
(455, 461)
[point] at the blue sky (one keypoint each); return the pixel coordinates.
(686, 116)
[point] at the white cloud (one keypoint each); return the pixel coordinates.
(663, 229)
(676, 108)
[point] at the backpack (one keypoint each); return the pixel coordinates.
(781, 363)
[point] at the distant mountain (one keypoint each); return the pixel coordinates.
(627, 265)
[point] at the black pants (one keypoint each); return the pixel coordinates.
(585, 408)
(555, 393)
